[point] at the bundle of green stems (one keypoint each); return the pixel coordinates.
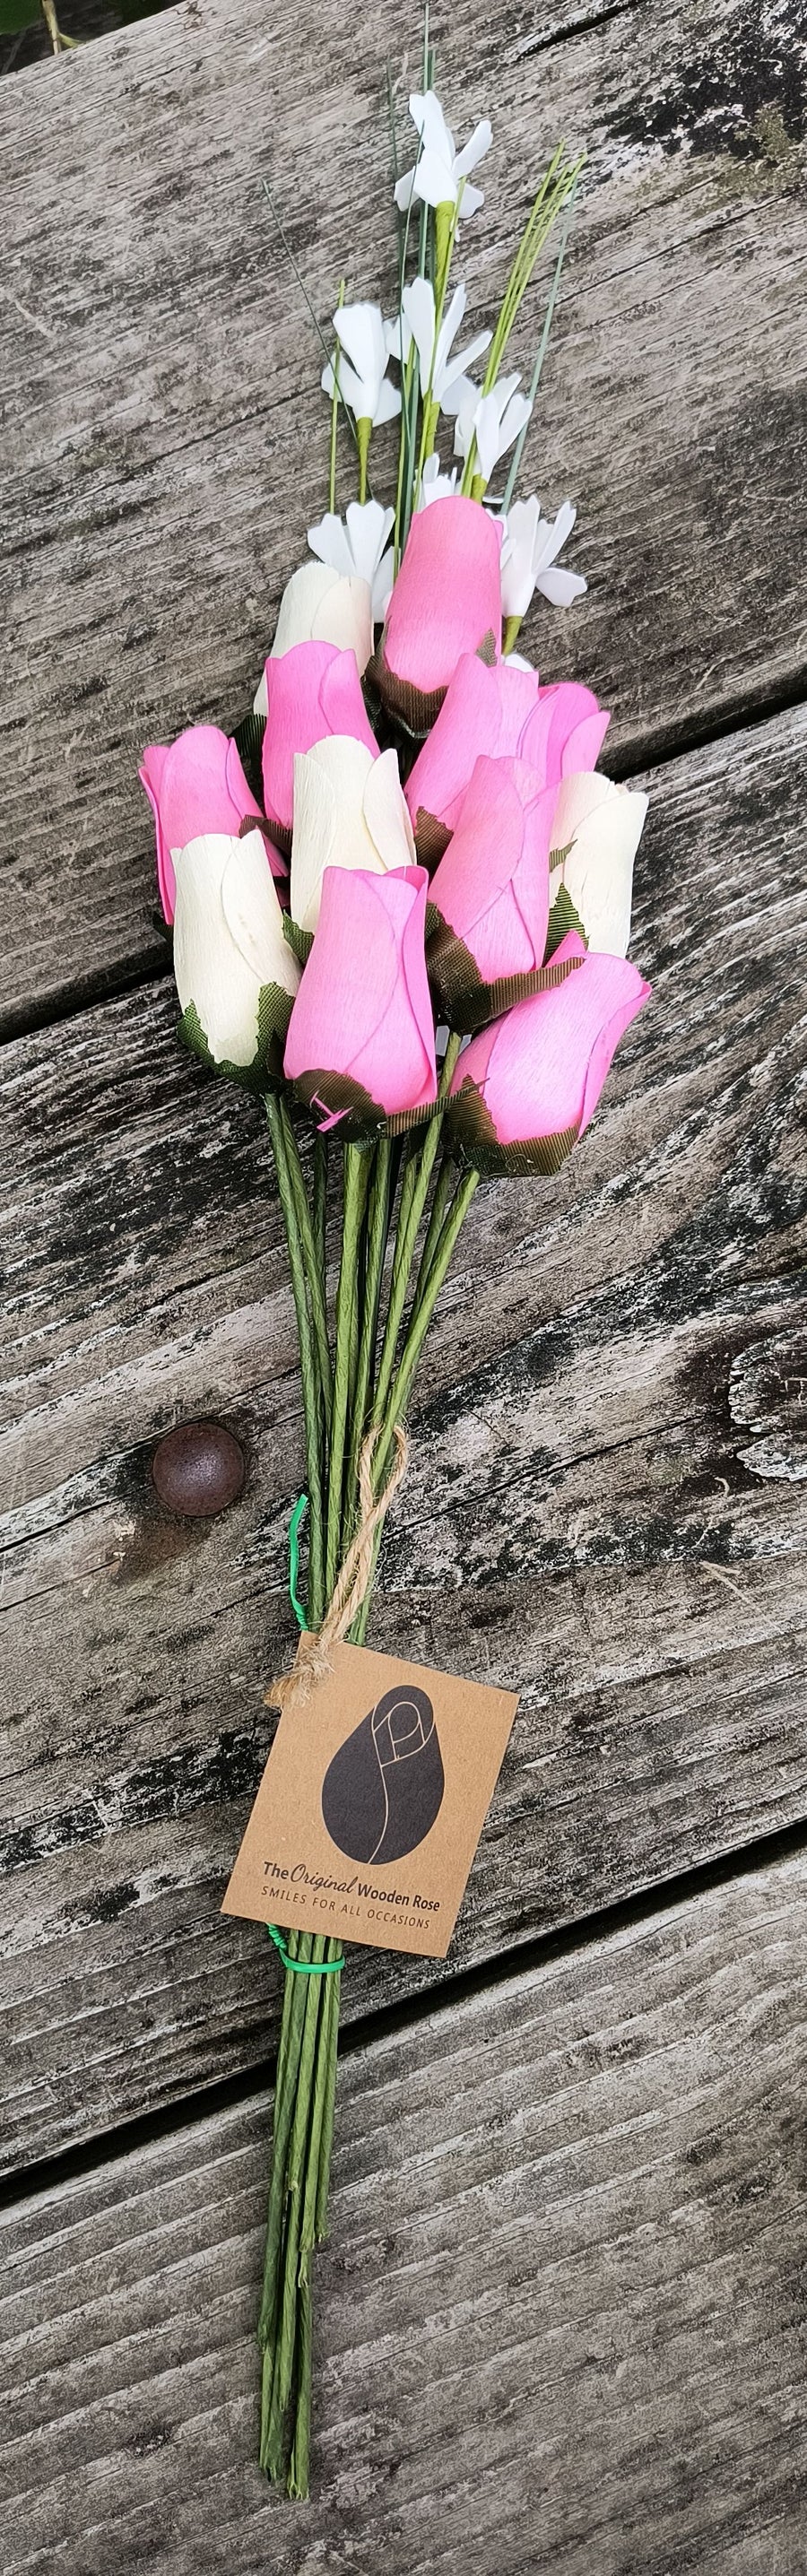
(403, 1202)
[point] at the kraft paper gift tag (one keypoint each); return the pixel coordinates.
(372, 1803)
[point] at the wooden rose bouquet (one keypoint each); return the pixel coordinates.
(401, 903)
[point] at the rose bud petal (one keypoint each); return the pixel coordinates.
(506, 714)
(446, 602)
(195, 785)
(321, 606)
(360, 1046)
(491, 891)
(313, 690)
(525, 1089)
(349, 812)
(566, 730)
(235, 973)
(598, 826)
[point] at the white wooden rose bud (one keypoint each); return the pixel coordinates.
(349, 812)
(321, 606)
(603, 824)
(235, 974)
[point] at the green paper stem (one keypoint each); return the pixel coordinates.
(444, 1189)
(422, 1315)
(414, 1194)
(309, 1369)
(329, 2056)
(285, 2335)
(355, 1186)
(291, 2031)
(314, 2215)
(363, 435)
(419, 1322)
(378, 1209)
(335, 409)
(312, 1260)
(319, 1206)
(445, 225)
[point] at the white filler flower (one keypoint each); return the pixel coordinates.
(356, 546)
(366, 340)
(529, 558)
(435, 483)
(440, 173)
(443, 369)
(494, 421)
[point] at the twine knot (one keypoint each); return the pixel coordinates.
(353, 1581)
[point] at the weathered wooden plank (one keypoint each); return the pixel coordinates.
(166, 439)
(605, 1504)
(560, 2320)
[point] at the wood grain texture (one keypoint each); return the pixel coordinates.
(560, 2321)
(165, 438)
(605, 1506)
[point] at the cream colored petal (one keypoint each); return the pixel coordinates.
(330, 830)
(294, 614)
(598, 873)
(578, 796)
(209, 968)
(312, 837)
(328, 607)
(386, 815)
(253, 915)
(344, 616)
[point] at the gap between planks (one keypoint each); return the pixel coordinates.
(654, 1903)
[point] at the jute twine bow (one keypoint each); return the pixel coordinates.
(353, 1581)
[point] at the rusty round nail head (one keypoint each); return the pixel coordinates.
(198, 1470)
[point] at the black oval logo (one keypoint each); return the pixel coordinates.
(384, 1787)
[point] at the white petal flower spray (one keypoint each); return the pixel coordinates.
(439, 175)
(529, 562)
(360, 374)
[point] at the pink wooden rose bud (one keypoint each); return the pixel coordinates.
(360, 1047)
(312, 691)
(194, 786)
(446, 602)
(525, 1089)
(491, 891)
(507, 715)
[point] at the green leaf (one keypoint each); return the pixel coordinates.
(191, 1035)
(299, 941)
(266, 1069)
(16, 14)
(562, 919)
(274, 1014)
(248, 739)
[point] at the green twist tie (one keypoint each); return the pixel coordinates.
(300, 1967)
(297, 1518)
(304, 1967)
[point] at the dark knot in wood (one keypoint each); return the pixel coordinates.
(198, 1469)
